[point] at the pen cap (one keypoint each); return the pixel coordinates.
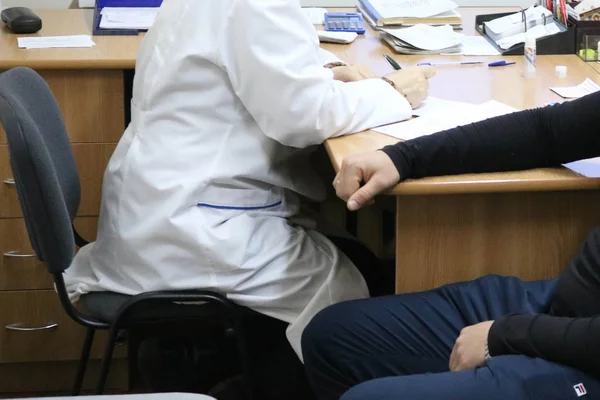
(560, 71)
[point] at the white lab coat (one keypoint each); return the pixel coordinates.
(202, 189)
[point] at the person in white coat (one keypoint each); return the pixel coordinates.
(202, 191)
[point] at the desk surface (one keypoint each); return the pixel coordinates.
(110, 52)
(595, 65)
(474, 84)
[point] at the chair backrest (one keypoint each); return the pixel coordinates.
(42, 163)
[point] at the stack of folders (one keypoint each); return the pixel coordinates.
(423, 39)
(512, 29)
(403, 13)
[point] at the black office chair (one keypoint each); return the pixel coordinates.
(48, 188)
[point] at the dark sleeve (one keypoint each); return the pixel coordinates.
(569, 331)
(541, 137)
(569, 341)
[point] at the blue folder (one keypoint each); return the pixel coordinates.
(100, 4)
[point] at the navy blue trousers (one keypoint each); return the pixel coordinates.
(398, 347)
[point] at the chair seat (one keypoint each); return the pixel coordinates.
(106, 305)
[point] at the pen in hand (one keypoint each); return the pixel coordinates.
(392, 62)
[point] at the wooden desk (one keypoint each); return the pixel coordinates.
(526, 223)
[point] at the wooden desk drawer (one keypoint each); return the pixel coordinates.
(92, 103)
(91, 162)
(53, 336)
(19, 269)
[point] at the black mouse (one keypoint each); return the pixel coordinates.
(21, 20)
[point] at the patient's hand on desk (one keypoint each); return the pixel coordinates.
(375, 170)
(413, 83)
(352, 73)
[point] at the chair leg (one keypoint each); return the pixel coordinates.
(83, 361)
(106, 359)
(244, 357)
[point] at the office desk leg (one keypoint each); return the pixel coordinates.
(448, 238)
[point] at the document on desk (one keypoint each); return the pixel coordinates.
(50, 42)
(453, 114)
(428, 38)
(316, 15)
(574, 92)
(128, 17)
(477, 46)
(433, 105)
(589, 168)
(412, 8)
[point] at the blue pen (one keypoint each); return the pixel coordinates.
(500, 63)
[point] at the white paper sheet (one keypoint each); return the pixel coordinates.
(48, 42)
(433, 105)
(454, 114)
(589, 168)
(477, 46)
(573, 92)
(315, 14)
(128, 17)
(412, 8)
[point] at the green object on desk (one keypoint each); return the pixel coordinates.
(588, 54)
(392, 62)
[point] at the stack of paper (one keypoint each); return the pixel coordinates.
(512, 29)
(537, 32)
(423, 39)
(47, 42)
(128, 17)
(574, 92)
(513, 24)
(437, 115)
(397, 13)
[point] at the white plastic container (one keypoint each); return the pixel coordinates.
(530, 54)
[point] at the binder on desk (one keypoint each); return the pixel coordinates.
(562, 42)
(101, 4)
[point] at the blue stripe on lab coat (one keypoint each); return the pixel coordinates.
(238, 208)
